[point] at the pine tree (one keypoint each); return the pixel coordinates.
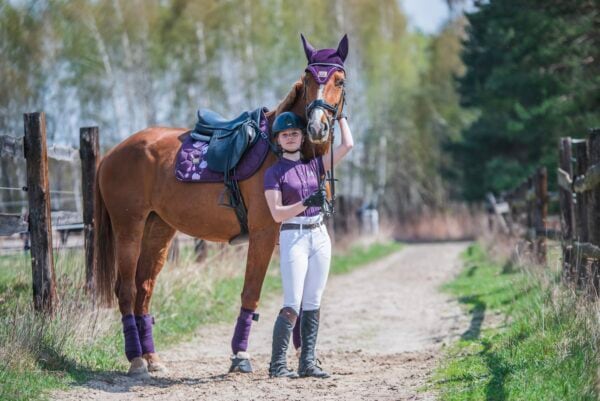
(532, 73)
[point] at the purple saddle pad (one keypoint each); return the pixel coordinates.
(191, 166)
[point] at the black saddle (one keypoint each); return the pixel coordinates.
(227, 139)
(209, 120)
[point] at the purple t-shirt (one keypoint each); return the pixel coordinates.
(296, 180)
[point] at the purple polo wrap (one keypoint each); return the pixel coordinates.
(133, 348)
(144, 325)
(239, 342)
(324, 62)
(297, 340)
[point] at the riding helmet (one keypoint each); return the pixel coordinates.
(287, 120)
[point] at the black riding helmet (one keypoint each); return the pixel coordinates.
(287, 120)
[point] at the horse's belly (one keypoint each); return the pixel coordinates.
(193, 209)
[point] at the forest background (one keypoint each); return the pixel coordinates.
(437, 117)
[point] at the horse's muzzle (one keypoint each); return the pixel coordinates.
(317, 131)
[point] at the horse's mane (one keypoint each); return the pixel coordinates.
(288, 102)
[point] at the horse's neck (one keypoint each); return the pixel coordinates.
(298, 108)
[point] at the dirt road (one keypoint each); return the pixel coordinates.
(383, 326)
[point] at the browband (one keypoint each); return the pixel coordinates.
(321, 72)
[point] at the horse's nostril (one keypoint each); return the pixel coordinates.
(314, 128)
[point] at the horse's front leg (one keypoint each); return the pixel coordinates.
(260, 250)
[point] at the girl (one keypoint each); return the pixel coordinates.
(295, 200)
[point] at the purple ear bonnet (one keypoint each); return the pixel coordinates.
(323, 63)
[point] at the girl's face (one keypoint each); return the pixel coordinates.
(290, 139)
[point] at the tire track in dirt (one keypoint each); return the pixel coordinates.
(382, 329)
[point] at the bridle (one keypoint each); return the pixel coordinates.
(321, 103)
(331, 112)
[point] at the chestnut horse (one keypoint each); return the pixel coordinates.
(140, 205)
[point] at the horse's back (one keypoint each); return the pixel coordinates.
(127, 173)
(147, 143)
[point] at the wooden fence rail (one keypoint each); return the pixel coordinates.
(11, 146)
(578, 178)
(526, 212)
(579, 182)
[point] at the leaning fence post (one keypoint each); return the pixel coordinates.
(540, 213)
(594, 199)
(40, 224)
(580, 147)
(530, 201)
(567, 210)
(88, 151)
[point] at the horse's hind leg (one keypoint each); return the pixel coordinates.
(128, 230)
(155, 247)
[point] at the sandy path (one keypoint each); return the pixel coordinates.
(382, 329)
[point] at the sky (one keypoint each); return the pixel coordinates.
(428, 15)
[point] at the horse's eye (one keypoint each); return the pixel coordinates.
(340, 83)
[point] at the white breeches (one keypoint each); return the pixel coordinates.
(305, 255)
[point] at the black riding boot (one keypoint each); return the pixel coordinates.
(281, 338)
(309, 327)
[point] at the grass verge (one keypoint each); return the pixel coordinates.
(38, 354)
(542, 343)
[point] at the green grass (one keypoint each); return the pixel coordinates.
(544, 345)
(38, 354)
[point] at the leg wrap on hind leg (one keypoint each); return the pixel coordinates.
(144, 325)
(133, 346)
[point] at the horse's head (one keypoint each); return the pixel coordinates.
(324, 80)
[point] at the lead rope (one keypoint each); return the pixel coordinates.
(331, 175)
(331, 178)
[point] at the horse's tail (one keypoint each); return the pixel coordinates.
(105, 266)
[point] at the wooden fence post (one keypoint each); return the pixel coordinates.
(40, 224)
(540, 213)
(200, 250)
(530, 200)
(593, 221)
(567, 209)
(581, 229)
(173, 254)
(89, 149)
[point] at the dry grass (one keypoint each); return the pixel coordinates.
(455, 222)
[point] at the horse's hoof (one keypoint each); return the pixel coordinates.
(240, 362)
(154, 363)
(138, 368)
(157, 367)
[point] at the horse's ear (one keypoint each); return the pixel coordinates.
(342, 49)
(309, 50)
